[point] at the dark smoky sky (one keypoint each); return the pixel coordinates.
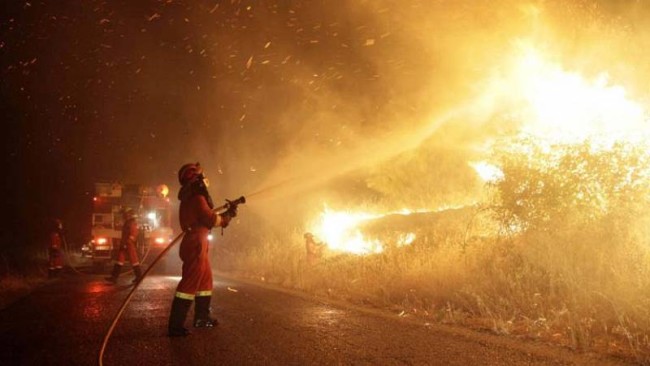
(262, 93)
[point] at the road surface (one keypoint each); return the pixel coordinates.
(64, 322)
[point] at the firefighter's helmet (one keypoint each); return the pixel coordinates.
(128, 213)
(57, 224)
(189, 172)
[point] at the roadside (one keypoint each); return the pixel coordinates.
(14, 287)
(470, 328)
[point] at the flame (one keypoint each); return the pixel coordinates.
(406, 239)
(564, 107)
(487, 172)
(554, 105)
(339, 230)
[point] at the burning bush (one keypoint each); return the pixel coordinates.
(576, 219)
(569, 185)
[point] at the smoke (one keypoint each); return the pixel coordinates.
(403, 97)
(327, 91)
(290, 97)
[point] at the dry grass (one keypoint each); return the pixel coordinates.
(576, 296)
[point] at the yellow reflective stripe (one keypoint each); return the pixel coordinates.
(185, 296)
(204, 293)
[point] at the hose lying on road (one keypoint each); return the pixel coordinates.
(128, 298)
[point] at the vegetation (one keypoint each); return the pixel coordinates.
(577, 219)
(559, 251)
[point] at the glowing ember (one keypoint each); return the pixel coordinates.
(340, 231)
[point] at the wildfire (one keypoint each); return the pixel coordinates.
(559, 106)
(340, 231)
(556, 106)
(553, 105)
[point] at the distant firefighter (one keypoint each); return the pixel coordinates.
(314, 249)
(55, 249)
(128, 243)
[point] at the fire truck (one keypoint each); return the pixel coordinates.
(153, 213)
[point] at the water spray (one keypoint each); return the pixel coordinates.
(271, 187)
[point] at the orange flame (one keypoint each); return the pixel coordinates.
(340, 231)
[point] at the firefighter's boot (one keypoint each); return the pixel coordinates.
(137, 271)
(202, 313)
(116, 273)
(177, 316)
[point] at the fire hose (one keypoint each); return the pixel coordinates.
(128, 297)
(230, 205)
(68, 257)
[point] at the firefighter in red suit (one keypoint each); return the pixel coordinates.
(128, 243)
(314, 249)
(197, 218)
(55, 249)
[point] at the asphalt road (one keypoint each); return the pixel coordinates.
(64, 323)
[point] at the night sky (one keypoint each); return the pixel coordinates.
(131, 90)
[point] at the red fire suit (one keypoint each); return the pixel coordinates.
(127, 244)
(55, 251)
(196, 219)
(314, 250)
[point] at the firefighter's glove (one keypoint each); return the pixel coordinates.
(231, 211)
(225, 219)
